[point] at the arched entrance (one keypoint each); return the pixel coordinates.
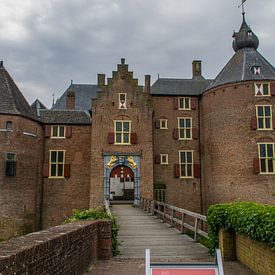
(122, 183)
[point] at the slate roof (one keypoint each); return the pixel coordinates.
(172, 86)
(12, 101)
(65, 117)
(84, 93)
(240, 68)
(36, 106)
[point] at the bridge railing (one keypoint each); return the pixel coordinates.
(179, 218)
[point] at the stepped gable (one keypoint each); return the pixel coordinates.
(65, 117)
(84, 93)
(177, 87)
(241, 65)
(12, 102)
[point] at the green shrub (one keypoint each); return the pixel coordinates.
(98, 214)
(254, 220)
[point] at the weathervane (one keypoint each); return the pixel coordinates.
(242, 4)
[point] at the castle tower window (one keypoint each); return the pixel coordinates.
(186, 164)
(184, 103)
(262, 89)
(8, 125)
(163, 123)
(122, 101)
(185, 127)
(122, 132)
(256, 70)
(264, 117)
(57, 161)
(163, 158)
(266, 158)
(11, 165)
(58, 131)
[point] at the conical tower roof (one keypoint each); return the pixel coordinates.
(12, 102)
(241, 67)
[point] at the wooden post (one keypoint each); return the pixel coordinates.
(196, 229)
(172, 217)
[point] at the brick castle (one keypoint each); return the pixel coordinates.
(191, 142)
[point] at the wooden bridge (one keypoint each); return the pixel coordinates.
(140, 230)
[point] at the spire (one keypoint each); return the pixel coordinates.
(245, 38)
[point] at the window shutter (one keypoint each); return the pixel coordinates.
(134, 138)
(111, 138)
(68, 131)
(272, 88)
(194, 103)
(256, 165)
(157, 124)
(253, 123)
(47, 131)
(46, 171)
(273, 122)
(176, 133)
(157, 159)
(197, 171)
(67, 170)
(177, 170)
(176, 103)
(195, 133)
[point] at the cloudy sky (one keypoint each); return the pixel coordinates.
(46, 43)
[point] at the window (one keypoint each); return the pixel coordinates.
(184, 103)
(122, 101)
(264, 117)
(163, 158)
(57, 161)
(11, 165)
(262, 89)
(257, 70)
(122, 131)
(8, 125)
(163, 123)
(58, 131)
(266, 156)
(186, 164)
(185, 127)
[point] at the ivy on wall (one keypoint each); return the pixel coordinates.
(252, 219)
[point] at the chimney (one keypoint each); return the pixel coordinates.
(196, 64)
(147, 84)
(70, 101)
(100, 80)
(1, 64)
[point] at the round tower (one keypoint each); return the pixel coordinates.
(237, 136)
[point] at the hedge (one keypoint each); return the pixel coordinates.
(252, 219)
(98, 214)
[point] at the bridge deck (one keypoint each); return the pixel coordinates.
(140, 230)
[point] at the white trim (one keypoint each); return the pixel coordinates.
(29, 134)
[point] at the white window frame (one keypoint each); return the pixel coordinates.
(264, 117)
(165, 121)
(121, 105)
(122, 132)
(266, 158)
(58, 136)
(261, 88)
(163, 158)
(186, 163)
(185, 128)
(56, 163)
(183, 99)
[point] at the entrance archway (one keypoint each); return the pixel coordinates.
(122, 183)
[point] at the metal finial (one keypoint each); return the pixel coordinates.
(53, 99)
(242, 5)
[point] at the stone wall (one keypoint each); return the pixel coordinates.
(64, 249)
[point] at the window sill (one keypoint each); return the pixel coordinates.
(56, 178)
(267, 173)
(58, 137)
(271, 129)
(186, 177)
(123, 144)
(185, 139)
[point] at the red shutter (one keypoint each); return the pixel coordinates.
(111, 138)
(47, 131)
(176, 103)
(197, 171)
(67, 170)
(253, 123)
(256, 165)
(177, 170)
(176, 133)
(272, 88)
(68, 131)
(157, 124)
(273, 122)
(195, 133)
(157, 159)
(194, 103)
(134, 138)
(46, 171)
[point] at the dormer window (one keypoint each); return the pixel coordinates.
(256, 70)
(122, 101)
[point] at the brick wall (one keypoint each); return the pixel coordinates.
(229, 146)
(61, 196)
(20, 200)
(64, 249)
